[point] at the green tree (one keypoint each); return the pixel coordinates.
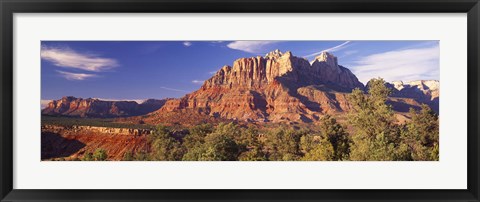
(141, 156)
(208, 144)
(377, 137)
(194, 153)
(422, 134)
(250, 147)
(88, 157)
(253, 154)
(219, 147)
(128, 156)
(229, 129)
(283, 144)
(316, 148)
(165, 147)
(196, 135)
(308, 142)
(194, 141)
(100, 155)
(336, 136)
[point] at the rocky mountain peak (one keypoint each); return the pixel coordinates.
(328, 58)
(397, 85)
(274, 54)
(68, 98)
(257, 72)
(426, 84)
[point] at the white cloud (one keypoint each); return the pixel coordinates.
(65, 57)
(187, 43)
(198, 81)
(75, 76)
(331, 49)
(250, 46)
(174, 89)
(212, 72)
(404, 65)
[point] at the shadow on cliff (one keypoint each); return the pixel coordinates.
(401, 106)
(292, 86)
(56, 146)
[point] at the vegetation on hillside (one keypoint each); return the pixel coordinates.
(372, 135)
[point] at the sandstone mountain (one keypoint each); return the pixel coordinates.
(92, 107)
(278, 87)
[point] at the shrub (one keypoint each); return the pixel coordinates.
(100, 155)
(128, 156)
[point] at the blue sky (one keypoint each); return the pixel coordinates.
(137, 70)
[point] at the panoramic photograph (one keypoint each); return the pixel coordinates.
(240, 100)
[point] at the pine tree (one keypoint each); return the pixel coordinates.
(337, 136)
(283, 144)
(165, 147)
(317, 148)
(422, 135)
(376, 136)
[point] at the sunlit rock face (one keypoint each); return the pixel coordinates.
(259, 71)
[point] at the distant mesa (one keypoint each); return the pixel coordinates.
(96, 108)
(278, 87)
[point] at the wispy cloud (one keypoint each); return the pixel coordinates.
(187, 43)
(75, 76)
(250, 46)
(212, 72)
(405, 65)
(331, 49)
(68, 58)
(349, 52)
(216, 43)
(198, 81)
(174, 89)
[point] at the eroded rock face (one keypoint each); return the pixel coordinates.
(279, 87)
(257, 72)
(90, 107)
(73, 142)
(326, 69)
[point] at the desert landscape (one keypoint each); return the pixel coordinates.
(272, 107)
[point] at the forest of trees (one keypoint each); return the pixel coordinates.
(372, 135)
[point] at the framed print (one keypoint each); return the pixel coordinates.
(239, 101)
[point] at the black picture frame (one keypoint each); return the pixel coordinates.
(10, 7)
